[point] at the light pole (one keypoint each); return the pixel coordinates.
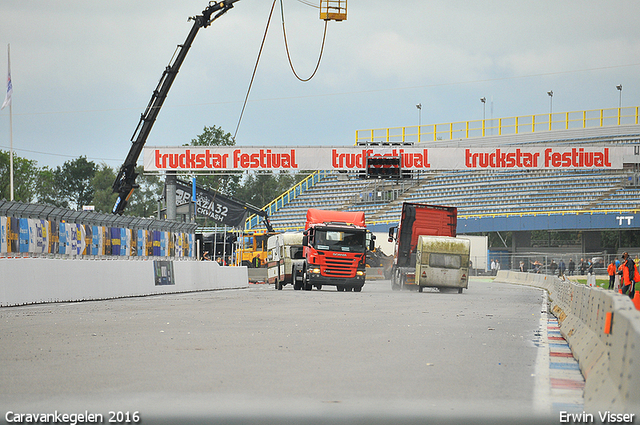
(619, 87)
(419, 106)
(484, 108)
(550, 93)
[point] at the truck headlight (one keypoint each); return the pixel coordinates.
(359, 273)
(315, 271)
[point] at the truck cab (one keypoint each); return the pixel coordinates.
(417, 220)
(335, 245)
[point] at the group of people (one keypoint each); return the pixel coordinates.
(495, 267)
(207, 257)
(627, 269)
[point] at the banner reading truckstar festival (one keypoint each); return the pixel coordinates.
(228, 158)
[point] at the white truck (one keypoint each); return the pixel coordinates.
(284, 250)
(479, 254)
(442, 262)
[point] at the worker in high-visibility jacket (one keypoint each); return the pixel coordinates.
(612, 274)
(630, 275)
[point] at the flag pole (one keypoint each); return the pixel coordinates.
(11, 149)
(7, 100)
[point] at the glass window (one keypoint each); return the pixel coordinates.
(444, 261)
(338, 240)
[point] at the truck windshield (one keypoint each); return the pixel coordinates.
(340, 240)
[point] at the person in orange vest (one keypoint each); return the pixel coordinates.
(630, 275)
(612, 274)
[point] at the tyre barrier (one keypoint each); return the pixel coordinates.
(603, 331)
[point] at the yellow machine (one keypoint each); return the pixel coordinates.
(253, 250)
(333, 10)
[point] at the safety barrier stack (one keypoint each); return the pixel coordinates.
(603, 330)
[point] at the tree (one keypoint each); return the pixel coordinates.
(228, 183)
(49, 187)
(24, 178)
(103, 196)
(75, 180)
(262, 187)
(144, 200)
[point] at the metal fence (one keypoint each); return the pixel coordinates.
(44, 230)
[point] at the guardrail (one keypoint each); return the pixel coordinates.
(288, 196)
(603, 332)
(502, 126)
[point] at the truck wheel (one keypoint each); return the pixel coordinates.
(357, 288)
(394, 282)
(296, 285)
(420, 288)
(278, 285)
(459, 290)
(305, 282)
(318, 287)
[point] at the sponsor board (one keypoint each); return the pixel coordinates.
(229, 158)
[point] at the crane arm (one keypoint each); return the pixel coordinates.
(125, 182)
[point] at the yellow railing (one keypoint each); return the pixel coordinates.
(502, 126)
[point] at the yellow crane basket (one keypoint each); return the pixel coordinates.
(333, 10)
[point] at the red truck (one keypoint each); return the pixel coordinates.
(335, 247)
(417, 220)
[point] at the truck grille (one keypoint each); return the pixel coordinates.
(340, 268)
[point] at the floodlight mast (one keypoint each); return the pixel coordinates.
(125, 182)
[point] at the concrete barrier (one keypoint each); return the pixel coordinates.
(42, 280)
(375, 273)
(609, 357)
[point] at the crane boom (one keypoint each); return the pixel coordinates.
(125, 181)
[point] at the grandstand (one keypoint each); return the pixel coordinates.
(482, 193)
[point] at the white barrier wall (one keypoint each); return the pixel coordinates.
(40, 280)
(603, 330)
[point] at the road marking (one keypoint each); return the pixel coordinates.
(559, 384)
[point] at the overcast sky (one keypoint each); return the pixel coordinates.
(83, 71)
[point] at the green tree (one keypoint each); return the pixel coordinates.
(144, 200)
(75, 181)
(103, 196)
(227, 183)
(24, 178)
(262, 187)
(48, 187)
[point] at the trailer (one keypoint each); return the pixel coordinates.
(284, 251)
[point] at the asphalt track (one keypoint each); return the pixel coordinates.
(259, 355)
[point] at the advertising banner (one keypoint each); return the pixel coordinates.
(23, 236)
(54, 237)
(156, 243)
(163, 272)
(213, 205)
(141, 243)
(115, 241)
(3, 234)
(13, 231)
(228, 158)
